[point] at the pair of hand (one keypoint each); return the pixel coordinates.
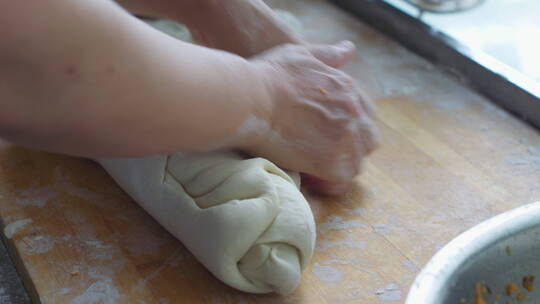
(321, 123)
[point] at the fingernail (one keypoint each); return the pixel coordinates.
(346, 44)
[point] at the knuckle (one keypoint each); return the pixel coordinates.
(348, 81)
(369, 135)
(341, 130)
(370, 108)
(341, 165)
(373, 141)
(348, 106)
(347, 133)
(367, 103)
(345, 80)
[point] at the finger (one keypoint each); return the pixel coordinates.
(365, 102)
(368, 135)
(365, 124)
(357, 141)
(335, 55)
(323, 187)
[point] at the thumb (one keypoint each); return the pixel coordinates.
(335, 55)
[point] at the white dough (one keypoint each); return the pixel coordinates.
(244, 219)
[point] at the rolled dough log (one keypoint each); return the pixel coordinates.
(244, 219)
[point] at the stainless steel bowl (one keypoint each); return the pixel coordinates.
(445, 6)
(495, 253)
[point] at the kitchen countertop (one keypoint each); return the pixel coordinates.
(448, 159)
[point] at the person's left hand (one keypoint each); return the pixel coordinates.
(243, 27)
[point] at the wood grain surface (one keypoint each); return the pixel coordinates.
(448, 160)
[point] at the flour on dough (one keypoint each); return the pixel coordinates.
(244, 219)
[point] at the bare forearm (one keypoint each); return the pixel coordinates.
(97, 82)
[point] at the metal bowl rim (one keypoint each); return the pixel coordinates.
(433, 279)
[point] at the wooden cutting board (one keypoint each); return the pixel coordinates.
(448, 160)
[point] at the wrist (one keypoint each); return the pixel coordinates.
(262, 106)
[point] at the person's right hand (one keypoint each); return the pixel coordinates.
(320, 123)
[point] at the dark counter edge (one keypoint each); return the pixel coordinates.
(15, 279)
(500, 83)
